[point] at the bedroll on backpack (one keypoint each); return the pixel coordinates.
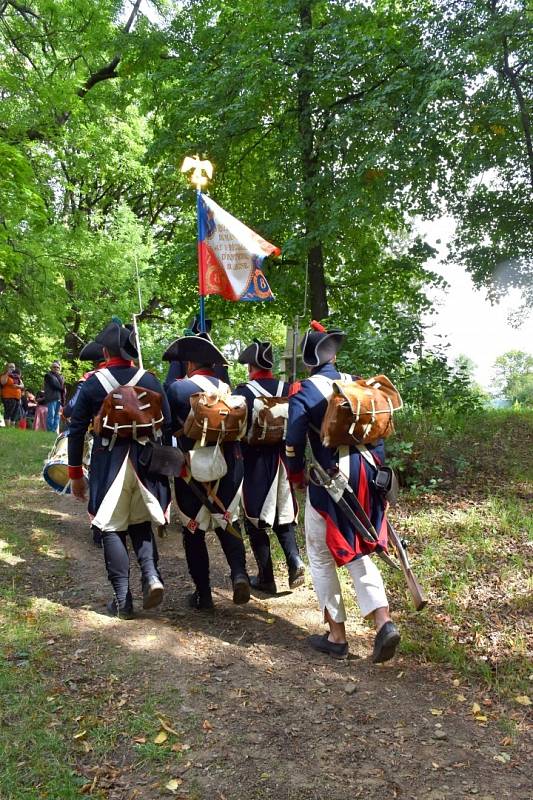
(269, 421)
(129, 411)
(216, 417)
(360, 412)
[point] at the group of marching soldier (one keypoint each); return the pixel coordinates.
(128, 497)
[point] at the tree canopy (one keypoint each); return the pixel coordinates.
(331, 126)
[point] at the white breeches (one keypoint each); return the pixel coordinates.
(365, 575)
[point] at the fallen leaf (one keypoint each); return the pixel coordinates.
(207, 725)
(437, 712)
(460, 698)
(456, 682)
(523, 699)
(476, 708)
(167, 727)
(270, 620)
(178, 748)
(80, 735)
(140, 739)
(161, 737)
(173, 785)
(480, 718)
(264, 776)
(400, 675)
(506, 741)
(504, 758)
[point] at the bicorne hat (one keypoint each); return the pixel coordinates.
(199, 349)
(92, 352)
(195, 325)
(258, 354)
(320, 345)
(116, 336)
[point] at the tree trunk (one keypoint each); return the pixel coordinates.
(310, 171)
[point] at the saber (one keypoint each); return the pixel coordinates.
(342, 494)
(336, 486)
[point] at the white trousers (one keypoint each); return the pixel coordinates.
(366, 577)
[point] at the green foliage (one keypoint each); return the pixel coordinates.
(330, 126)
(514, 377)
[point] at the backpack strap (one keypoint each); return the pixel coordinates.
(107, 380)
(258, 390)
(323, 384)
(279, 390)
(136, 378)
(203, 383)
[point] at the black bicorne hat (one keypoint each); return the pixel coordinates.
(199, 349)
(258, 354)
(195, 325)
(93, 351)
(319, 345)
(116, 336)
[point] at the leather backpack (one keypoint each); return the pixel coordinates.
(270, 415)
(216, 415)
(360, 412)
(128, 411)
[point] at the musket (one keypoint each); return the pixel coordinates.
(345, 498)
(415, 590)
(213, 507)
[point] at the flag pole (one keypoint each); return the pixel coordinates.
(201, 265)
(199, 179)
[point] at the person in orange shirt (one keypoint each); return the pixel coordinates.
(11, 387)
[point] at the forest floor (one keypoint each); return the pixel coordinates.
(235, 706)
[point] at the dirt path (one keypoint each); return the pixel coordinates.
(264, 716)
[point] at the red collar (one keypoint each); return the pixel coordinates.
(202, 372)
(261, 373)
(118, 362)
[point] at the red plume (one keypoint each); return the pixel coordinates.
(316, 326)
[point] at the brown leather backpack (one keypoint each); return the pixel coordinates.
(269, 416)
(216, 417)
(127, 411)
(360, 412)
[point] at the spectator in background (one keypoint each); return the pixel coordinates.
(54, 395)
(41, 412)
(11, 388)
(28, 405)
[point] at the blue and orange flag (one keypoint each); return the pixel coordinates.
(230, 255)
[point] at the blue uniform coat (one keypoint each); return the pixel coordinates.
(192, 513)
(267, 495)
(106, 464)
(307, 407)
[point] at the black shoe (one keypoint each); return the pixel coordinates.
(267, 587)
(323, 645)
(201, 601)
(385, 643)
(241, 589)
(152, 592)
(123, 612)
(296, 576)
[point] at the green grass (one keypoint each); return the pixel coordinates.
(470, 545)
(40, 717)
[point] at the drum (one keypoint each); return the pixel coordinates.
(55, 470)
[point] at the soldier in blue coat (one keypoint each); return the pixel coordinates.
(124, 499)
(331, 539)
(202, 357)
(178, 369)
(267, 497)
